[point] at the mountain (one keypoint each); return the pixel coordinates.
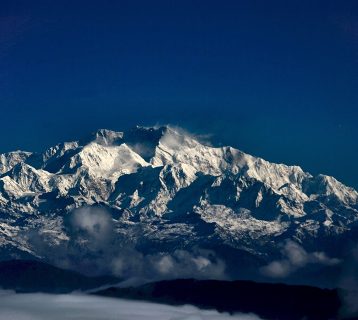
(166, 192)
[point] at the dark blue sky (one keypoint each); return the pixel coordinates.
(277, 79)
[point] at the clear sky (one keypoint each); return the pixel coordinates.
(277, 79)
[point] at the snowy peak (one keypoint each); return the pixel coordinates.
(143, 140)
(178, 147)
(23, 177)
(107, 155)
(155, 171)
(107, 161)
(10, 159)
(323, 185)
(175, 147)
(105, 137)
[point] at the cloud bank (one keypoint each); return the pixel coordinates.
(83, 307)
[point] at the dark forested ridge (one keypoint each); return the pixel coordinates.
(269, 301)
(36, 276)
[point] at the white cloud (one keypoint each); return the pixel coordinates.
(94, 247)
(83, 307)
(198, 263)
(94, 221)
(277, 269)
(295, 257)
(165, 265)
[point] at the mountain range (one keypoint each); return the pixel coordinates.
(170, 203)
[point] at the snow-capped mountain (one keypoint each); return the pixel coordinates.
(177, 191)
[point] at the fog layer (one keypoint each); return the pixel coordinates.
(84, 307)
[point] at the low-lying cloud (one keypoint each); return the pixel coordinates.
(197, 263)
(84, 307)
(94, 247)
(94, 223)
(294, 258)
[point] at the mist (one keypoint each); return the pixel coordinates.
(94, 247)
(295, 257)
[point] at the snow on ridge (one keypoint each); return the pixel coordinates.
(107, 155)
(109, 161)
(10, 159)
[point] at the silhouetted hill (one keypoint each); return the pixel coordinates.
(35, 276)
(270, 301)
